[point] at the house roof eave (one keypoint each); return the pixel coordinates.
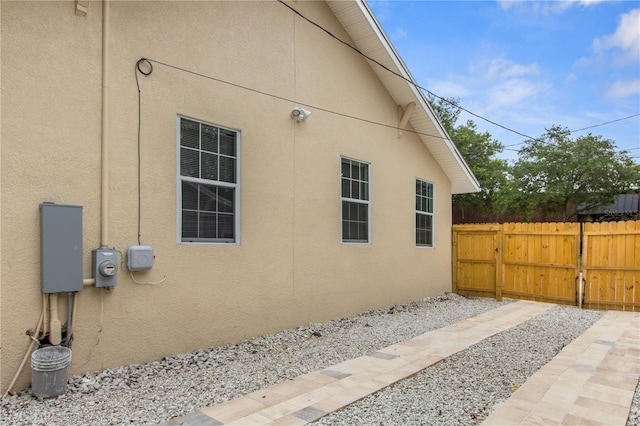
(368, 36)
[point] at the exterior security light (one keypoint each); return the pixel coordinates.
(300, 113)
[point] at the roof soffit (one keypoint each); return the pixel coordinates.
(365, 31)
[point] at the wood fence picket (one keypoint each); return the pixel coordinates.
(543, 261)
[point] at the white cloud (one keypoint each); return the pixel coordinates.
(507, 4)
(591, 2)
(398, 33)
(448, 88)
(536, 7)
(625, 39)
(624, 88)
(514, 91)
(544, 7)
(583, 62)
(498, 82)
(503, 68)
(382, 10)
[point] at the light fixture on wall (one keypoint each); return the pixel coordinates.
(300, 113)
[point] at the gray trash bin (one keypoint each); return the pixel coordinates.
(50, 366)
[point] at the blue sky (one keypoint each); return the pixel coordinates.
(527, 65)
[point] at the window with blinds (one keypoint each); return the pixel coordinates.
(208, 194)
(424, 213)
(356, 225)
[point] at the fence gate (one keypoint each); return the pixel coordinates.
(611, 257)
(476, 262)
(542, 261)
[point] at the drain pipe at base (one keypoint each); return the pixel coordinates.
(26, 355)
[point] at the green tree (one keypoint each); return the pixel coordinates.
(556, 173)
(447, 110)
(479, 151)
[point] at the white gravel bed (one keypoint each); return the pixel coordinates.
(463, 388)
(453, 390)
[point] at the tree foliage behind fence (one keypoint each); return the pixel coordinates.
(546, 261)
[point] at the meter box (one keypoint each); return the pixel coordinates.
(61, 247)
(104, 264)
(140, 258)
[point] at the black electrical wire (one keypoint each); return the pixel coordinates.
(408, 80)
(146, 72)
(602, 124)
(290, 100)
(589, 127)
(505, 148)
(430, 92)
(143, 72)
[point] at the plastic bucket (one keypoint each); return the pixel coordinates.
(50, 366)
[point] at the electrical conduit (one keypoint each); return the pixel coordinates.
(104, 212)
(55, 327)
(67, 338)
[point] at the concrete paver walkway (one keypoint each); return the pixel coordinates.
(590, 382)
(608, 353)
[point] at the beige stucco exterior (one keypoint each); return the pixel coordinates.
(290, 267)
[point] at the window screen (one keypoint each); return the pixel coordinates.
(424, 213)
(208, 182)
(355, 201)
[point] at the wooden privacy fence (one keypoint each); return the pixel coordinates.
(595, 265)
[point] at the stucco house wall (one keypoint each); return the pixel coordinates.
(238, 65)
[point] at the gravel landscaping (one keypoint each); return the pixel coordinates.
(461, 389)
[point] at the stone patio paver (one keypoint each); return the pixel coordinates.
(591, 381)
(314, 395)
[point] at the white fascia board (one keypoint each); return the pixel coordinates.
(465, 181)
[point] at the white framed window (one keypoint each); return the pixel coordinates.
(356, 207)
(208, 188)
(424, 213)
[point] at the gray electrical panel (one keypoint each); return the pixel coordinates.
(61, 247)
